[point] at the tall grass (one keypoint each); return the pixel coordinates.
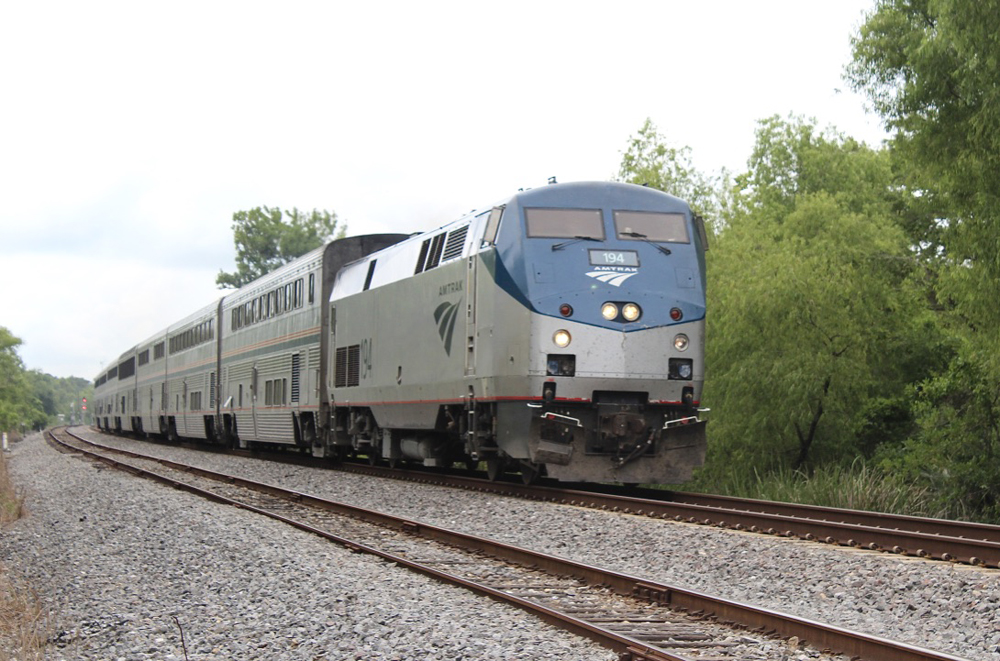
(11, 504)
(858, 486)
(23, 622)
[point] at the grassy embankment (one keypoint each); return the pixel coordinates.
(859, 487)
(22, 621)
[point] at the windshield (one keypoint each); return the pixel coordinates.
(651, 226)
(565, 223)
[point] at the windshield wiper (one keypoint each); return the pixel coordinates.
(560, 246)
(639, 235)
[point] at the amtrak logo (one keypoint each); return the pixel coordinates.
(614, 278)
(445, 315)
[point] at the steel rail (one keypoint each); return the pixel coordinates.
(943, 527)
(818, 635)
(929, 538)
(617, 642)
(960, 541)
(941, 539)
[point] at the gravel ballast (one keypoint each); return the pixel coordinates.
(200, 568)
(116, 559)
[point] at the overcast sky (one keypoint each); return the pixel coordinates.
(131, 131)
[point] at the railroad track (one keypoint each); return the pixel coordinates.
(935, 539)
(641, 620)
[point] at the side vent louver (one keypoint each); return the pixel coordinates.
(434, 255)
(371, 273)
(456, 241)
(296, 376)
(441, 248)
(347, 370)
(422, 257)
(340, 372)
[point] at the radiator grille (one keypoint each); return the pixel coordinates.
(353, 365)
(348, 366)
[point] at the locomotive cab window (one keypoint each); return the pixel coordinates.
(565, 223)
(651, 226)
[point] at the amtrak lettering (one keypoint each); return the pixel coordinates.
(451, 288)
(617, 269)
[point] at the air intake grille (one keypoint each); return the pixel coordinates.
(456, 241)
(348, 366)
(296, 369)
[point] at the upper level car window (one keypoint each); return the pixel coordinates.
(651, 226)
(565, 223)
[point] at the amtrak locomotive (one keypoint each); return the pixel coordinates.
(560, 333)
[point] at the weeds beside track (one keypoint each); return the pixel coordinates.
(23, 621)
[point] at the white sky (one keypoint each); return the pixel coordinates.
(131, 131)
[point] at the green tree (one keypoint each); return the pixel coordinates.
(932, 71)
(958, 445)
(817, 317)
(267, 238)
(59, 396)
(18, 405)
(792, 158)
(651, 161)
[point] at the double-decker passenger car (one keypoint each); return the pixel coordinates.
(114, 395)
(273, 351)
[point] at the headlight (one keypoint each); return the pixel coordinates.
(610, 311)
(681, 342)
(562, 338)
(631, 311)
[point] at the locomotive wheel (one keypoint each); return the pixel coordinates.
(529, 474)
(494, 466)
